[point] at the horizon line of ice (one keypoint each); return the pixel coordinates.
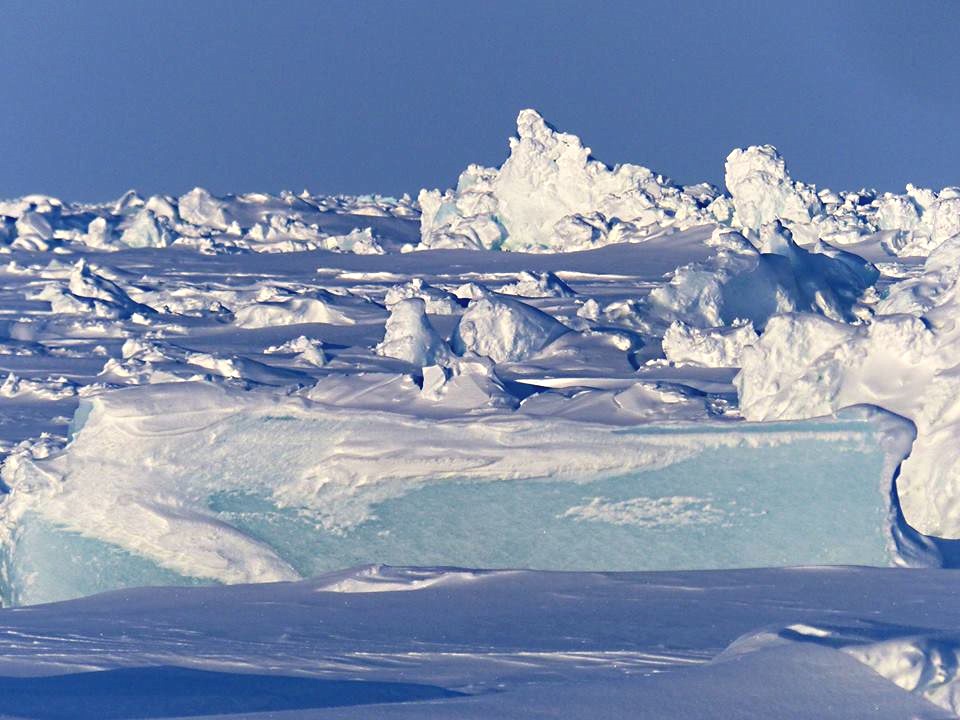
(550, 195)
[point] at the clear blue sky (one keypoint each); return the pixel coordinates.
(101, 96)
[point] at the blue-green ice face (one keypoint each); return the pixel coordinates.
(808, 502)
(793, 494)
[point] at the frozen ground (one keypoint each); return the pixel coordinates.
(556, 365)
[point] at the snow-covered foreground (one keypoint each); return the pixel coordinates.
(557, 365)
(418, 642)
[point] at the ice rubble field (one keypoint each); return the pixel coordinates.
(556, 365)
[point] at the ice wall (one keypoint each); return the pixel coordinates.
(190, 481)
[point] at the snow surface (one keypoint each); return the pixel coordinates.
(388, 642)
(558, 364)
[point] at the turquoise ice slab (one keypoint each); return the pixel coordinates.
(796, 494)
(804, 503)
(48, 563)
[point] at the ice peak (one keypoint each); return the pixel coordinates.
(763, 191)
(535, 136)
(531, 123)
(756, 160)
(550, 194)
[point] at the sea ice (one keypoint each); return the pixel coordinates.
(551, 195)
(254, 487)
(717, 347)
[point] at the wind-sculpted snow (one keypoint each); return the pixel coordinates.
(504, 329)
(89, 293)
(745, 282)
(324, 307)
(436, 301)
(409, 335)
(919, 659)
(718, 347)
(537, 285)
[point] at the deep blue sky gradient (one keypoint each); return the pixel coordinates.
(103, 95)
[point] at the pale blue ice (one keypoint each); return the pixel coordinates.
(812, 499)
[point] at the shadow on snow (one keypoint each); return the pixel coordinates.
(155, 692)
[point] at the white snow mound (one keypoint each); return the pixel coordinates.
(504, 329)
(410, 336)
(744, 282)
